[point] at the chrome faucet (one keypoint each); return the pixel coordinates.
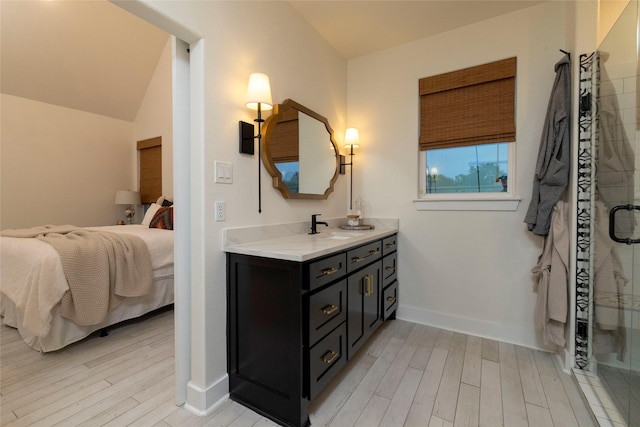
(315, 222)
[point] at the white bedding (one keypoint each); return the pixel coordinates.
(30, 268)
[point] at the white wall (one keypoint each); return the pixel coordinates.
(239, 38)
(64, 166)
(61, 166)
(154, 118)
(468, 271)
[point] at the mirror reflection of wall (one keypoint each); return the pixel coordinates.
(317, 155)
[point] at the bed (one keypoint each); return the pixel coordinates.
(28, 266)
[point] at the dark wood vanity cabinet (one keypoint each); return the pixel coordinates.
(292, 326)
(389, 295)
(363, 290)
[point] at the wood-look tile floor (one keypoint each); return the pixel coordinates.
(406, 375)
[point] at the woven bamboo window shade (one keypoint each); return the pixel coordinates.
(469, 107)
(150, 169)
(284, 140)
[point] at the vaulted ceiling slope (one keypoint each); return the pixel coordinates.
(93, 56)
(86, 55)
(359, 27)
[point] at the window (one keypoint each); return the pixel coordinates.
(467, 131)
(150, 165)
(290, 172)
(469, 169)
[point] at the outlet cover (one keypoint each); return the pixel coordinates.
(221, 210)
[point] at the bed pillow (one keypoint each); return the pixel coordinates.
(164, 201)
(151, 211)
(163, 218)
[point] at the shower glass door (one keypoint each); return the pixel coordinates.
(614, 309)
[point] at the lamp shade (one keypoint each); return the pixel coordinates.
(259, 92)
(126, 197)
(352, 138)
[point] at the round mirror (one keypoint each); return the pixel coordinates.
(299, 152)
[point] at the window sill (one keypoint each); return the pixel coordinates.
(467, 204)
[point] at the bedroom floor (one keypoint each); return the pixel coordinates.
(407, 374)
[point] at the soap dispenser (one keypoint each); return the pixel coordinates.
(359, 210)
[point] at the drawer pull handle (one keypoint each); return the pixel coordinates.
(392, 269)
(391, 299)
(367, 288)
(357, 259)
(390, 245)
(329, 309)
(329, 271)
(329, 357)
(374, 251)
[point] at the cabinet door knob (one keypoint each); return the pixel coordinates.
(329, 309)
(329, 357)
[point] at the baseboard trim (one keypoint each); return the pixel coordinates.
(204, 401)
(480, 328)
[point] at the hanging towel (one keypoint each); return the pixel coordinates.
(552, 167)
(551, 274)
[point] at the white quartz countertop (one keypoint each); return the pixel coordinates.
(292, 241)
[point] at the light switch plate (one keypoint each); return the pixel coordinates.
(223, 172)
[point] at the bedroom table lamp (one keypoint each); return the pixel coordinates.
(129, 198)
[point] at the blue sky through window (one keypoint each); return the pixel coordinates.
(476, 168)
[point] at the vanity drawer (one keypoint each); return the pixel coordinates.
(363, 255)
(389, 244)
(326, 359)
(327, 309)
(327, 270)
(389, 300)
(389, 269)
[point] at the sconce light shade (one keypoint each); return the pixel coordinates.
(352, 138)
(124, 197)
(351, 141)
(259, 92)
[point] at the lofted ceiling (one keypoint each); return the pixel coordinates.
(86, 55)
(359, 27)
(93, 56)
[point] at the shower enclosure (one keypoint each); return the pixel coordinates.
(608, 221)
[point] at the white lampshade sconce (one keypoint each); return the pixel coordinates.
(258, 98)
(351, 141)
(129, 198)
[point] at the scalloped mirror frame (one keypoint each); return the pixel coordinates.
(280, 110)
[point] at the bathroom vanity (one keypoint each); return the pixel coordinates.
(299, 307)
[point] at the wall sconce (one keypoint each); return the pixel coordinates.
(258, 98)
(351, 141)
(129, 198)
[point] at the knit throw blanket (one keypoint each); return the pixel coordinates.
(101, 268)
